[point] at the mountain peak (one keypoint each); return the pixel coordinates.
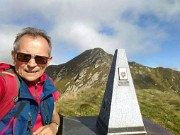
(91, 68)
(97, 54)
(90, 57)
(97, 51)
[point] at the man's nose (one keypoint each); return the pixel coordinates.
(32, 62)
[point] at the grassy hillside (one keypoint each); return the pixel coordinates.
(158, 89)
(160, 107)
(84, 103)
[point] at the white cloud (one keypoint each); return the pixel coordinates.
(77, 23)
(7, 36)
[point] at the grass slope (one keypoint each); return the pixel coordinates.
(160, 107)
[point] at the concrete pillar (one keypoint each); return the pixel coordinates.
(120, 113)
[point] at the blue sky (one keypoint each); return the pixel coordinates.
(148, 30)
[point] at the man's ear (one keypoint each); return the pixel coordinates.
(13, 57)
(49, 61)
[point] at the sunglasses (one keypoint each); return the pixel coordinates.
(23, 57)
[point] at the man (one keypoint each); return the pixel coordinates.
(31, 55)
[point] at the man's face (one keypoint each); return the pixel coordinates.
(34, 47)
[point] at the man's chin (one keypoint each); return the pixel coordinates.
(31, 79)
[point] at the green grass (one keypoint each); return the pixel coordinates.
(84, 103)
(160, 107)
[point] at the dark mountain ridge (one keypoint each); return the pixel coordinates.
(82, 80)
(91, 68)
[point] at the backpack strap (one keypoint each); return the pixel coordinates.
(20, 108)
(46, 112)
(30, 123)
(11, 95)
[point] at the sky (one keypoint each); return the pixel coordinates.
(148, 30)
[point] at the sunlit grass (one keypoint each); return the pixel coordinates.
(84, 103)
(160, 107)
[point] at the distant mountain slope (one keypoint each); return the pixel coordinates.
(156, 78)
(82, 82)
(91, 68)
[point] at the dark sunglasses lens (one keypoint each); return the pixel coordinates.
(41, 59)
(23, 57)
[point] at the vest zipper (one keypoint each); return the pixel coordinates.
(35, 92)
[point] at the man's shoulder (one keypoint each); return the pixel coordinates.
(4, 66)
(7, 70)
